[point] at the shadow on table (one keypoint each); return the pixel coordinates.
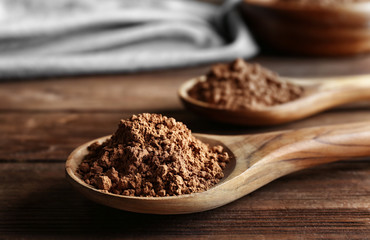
(61, 211)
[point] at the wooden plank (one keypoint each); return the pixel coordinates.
(316, 67)
(151, 90)
(99, 93)
(51, 136)
(42, 121)
(325, 202)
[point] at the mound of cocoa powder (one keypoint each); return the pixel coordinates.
(240, 85)
(152, 155)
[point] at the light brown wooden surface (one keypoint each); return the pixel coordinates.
(42, 121)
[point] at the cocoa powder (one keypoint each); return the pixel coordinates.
(153, 155)
(240, 85)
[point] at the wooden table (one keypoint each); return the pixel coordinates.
(42, 121)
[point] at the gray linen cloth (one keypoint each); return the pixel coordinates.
(70, 37)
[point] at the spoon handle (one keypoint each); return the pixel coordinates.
(294, 150)
(346, 89)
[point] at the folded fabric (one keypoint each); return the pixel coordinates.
(70, 37)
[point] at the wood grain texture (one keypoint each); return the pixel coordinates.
(327, 201)
(42, 121)
(44, 136)
(91, 94)
(148, 91)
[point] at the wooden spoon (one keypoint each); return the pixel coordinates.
(256, 160)
(319, 94)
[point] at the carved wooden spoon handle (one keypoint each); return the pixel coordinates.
(347, 89)
(295, 150)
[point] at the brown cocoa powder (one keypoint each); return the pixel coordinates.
(240, 85)
(153, 155)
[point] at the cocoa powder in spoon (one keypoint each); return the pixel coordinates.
(241, 85)
(152, 155)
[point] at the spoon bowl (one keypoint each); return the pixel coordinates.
(155, 205)
(256, 160)
(319, 95)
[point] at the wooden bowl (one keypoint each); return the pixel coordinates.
(309, 29)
